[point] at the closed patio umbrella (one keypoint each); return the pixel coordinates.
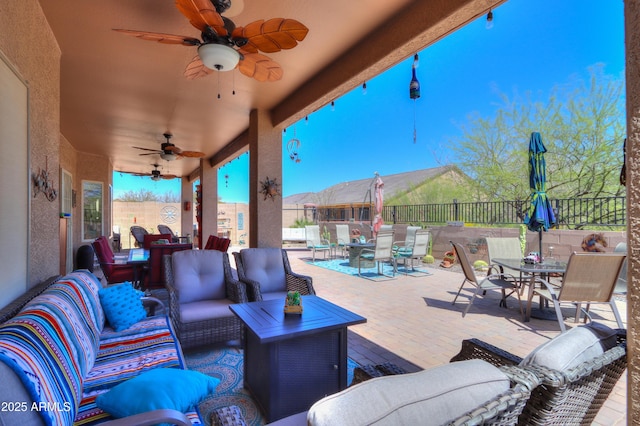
(378, 201)
(540, 216)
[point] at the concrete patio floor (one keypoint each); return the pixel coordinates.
(413, 318)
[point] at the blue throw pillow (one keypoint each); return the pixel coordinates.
(122, 305)
(160, 388)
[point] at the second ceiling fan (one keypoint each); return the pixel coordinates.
(224, 46)
(155, 174)
(169, 152)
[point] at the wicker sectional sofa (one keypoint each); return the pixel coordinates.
(58, 355)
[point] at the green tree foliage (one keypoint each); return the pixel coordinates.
(582, 125)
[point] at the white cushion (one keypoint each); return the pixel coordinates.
(434, 396)
(573, 347)
(198, 275)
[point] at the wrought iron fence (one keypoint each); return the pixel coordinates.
(570, 213)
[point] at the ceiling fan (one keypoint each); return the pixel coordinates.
(225, 46)
(155, 174)
(169, 151)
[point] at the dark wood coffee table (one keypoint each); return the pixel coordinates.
(291, 361)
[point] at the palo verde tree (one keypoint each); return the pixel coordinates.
(582, 125)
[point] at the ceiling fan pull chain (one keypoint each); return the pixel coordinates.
(218, 85)
(233, 92)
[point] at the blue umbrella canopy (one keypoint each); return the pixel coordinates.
(540, 216)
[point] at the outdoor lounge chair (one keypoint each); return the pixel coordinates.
(201, 288)
(267, 274)
(503, 282)
(590, 278)
(138, 233)
(164, 229)
(577, 372)
(382, 252)
(315, 242)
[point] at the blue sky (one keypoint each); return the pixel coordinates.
(533, 46)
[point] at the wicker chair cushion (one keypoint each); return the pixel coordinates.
(198, 275)
(265, 265)
(205, 310)
(439, 394)
(573, 347)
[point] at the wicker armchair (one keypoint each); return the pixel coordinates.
(571, 396)
(201, 288)
(267, 274)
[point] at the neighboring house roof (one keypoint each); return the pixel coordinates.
(357, 191)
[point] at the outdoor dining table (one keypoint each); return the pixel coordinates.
(541, 269)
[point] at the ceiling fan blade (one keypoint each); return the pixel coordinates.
(168, 176)
(161, 37)
(196, 69)
(192, 154)
(273, 35)
(146, 149)
(201, 14)
(151, 153)
(141, 174)
(260, 67)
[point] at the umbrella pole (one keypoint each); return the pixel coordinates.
(540, 241)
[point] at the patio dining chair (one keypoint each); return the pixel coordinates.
(382, 252)
(505, 248)
(409, 240)
(343, 237)
(590, 278)
(113, 272)
(315, 242)
(621, 285)
(504, 282)
(417, 250)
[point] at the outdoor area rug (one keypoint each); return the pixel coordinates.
(226, 364)
(342, 265)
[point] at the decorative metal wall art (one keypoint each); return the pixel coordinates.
(270, 188)
(43, 183)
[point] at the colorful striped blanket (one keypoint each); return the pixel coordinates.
(65, 355)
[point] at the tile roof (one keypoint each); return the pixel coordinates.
(357, 191)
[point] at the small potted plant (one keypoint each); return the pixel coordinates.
(293, 303)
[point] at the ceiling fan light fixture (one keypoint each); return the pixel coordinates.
(218, 56)
(168, 156)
